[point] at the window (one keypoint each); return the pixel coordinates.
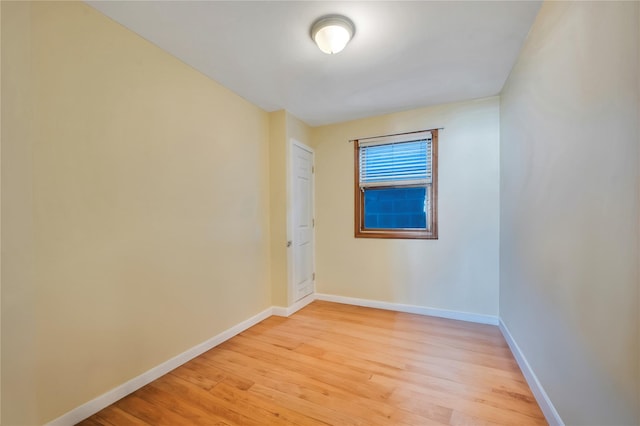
(396, 186)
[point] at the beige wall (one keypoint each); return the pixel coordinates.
(130, 234)
(0, 217)
(569, 208)
(298, 130)
(459, 271)
(18, 308)
(278, 206)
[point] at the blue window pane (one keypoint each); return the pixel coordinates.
(395, 208)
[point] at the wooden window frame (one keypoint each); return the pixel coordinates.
(431, 233)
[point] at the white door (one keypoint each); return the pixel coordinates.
(302, 221)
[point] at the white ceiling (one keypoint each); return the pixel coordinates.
(404, 54)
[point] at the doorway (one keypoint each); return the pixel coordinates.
(302, 223)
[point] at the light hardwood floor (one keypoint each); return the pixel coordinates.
(341, 365)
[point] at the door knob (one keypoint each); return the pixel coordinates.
(288, 243)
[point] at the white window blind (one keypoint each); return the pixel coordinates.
(396, 161)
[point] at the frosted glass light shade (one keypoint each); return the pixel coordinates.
(332, 33)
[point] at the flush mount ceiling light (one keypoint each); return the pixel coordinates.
(332, 33)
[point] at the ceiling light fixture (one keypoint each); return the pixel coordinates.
(332, 33)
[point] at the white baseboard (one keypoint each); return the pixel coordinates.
(412, 309)
(285, 312)
(87, 409)
(549, 411)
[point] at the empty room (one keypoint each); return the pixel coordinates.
(320, 213)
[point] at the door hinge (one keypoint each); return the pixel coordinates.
(313, 276)
(313, 223)
(313, 169)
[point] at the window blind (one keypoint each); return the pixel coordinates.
(385, 163)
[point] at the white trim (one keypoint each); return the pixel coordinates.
(89, 408)
(412, 309)
(549, 411)
(285, 312)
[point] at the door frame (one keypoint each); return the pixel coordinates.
(290, 231)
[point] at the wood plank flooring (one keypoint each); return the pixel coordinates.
(341, 365)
